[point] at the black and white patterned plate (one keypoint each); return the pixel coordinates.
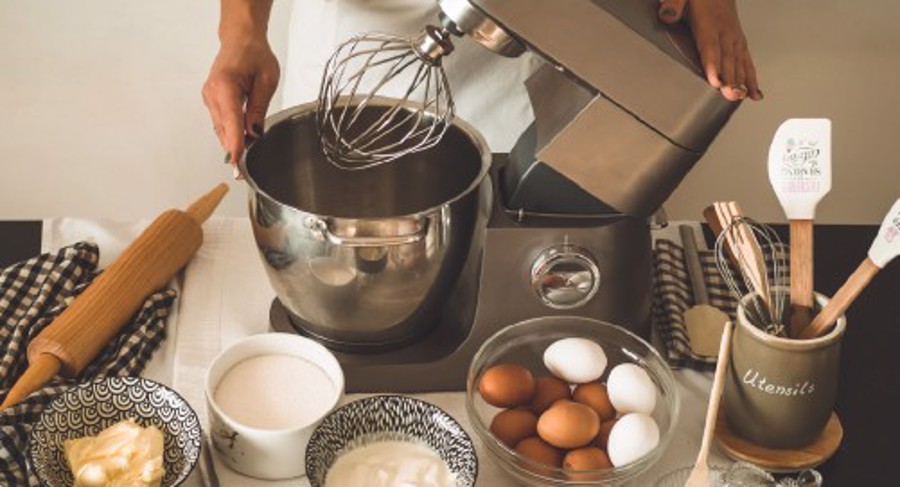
(391, 418)
(94, 406)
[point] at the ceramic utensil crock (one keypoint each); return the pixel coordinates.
(780, 392)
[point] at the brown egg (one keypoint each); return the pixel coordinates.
(514, 425)
(539, 451)
(603, 436)
(506, 386)
(583, 460)
(594, 394)
(548, 390)
(568, 424)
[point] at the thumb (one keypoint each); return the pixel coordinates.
(670, 11)
(258, 103)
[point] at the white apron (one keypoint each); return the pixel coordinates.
(488, 89)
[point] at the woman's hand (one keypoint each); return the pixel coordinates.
(720, 40)
(238, 90)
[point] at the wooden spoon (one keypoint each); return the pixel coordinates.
(885, 248)
(700, 473)
(704, 323)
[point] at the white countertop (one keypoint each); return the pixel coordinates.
(224, 296)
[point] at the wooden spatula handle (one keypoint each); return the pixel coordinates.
(743, 247)
(801, 275)
(841, 300)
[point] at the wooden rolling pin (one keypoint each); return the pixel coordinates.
(95, 317)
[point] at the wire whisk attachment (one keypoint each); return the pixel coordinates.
(749, 245)
(355, 134)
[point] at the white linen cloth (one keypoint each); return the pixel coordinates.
(224, 296)
(488, 88)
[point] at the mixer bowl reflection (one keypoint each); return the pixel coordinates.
(364, 260)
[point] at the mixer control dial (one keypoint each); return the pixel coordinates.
(565, 276)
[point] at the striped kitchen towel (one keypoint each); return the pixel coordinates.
(673, 295)
(32, 294)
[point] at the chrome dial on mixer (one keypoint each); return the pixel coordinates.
(565, 276)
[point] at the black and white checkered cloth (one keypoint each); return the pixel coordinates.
(32, 294)
(673, 295)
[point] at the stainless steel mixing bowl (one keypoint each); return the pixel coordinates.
(364, 259)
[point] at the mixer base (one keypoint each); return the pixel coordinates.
(494, 290)
(438, 361)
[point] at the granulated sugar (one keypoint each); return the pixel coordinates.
(275, 392)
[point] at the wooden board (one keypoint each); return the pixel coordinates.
(776, 460)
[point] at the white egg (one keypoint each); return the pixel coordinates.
(631, 390)
(575, 360)
(632, 437)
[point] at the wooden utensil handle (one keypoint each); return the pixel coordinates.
(694, 266)
(743, 248)
(717, 225)
(841, 300)
(801, 275)
(715, 394)
(754, 264)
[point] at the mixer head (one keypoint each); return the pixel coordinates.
(355, 135)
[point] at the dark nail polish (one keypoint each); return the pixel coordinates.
(668, 12)
(227, 158)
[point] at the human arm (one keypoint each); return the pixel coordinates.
(243, 76)
(720, 39)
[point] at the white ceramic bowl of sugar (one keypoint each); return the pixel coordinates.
(265, 395)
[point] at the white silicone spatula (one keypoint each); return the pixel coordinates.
(800, 173)
(885, 248)
(703, 322)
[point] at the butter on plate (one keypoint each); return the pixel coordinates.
(123, 455)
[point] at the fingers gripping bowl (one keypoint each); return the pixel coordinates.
(523, 345)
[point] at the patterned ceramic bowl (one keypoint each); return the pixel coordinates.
(92, 407)
(390, 418)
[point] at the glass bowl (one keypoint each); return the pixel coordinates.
(524, 344)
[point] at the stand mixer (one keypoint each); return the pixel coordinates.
(561, 226)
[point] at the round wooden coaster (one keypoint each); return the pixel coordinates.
(781, 461)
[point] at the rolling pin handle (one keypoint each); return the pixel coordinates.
(39, 372)
(201, 209)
